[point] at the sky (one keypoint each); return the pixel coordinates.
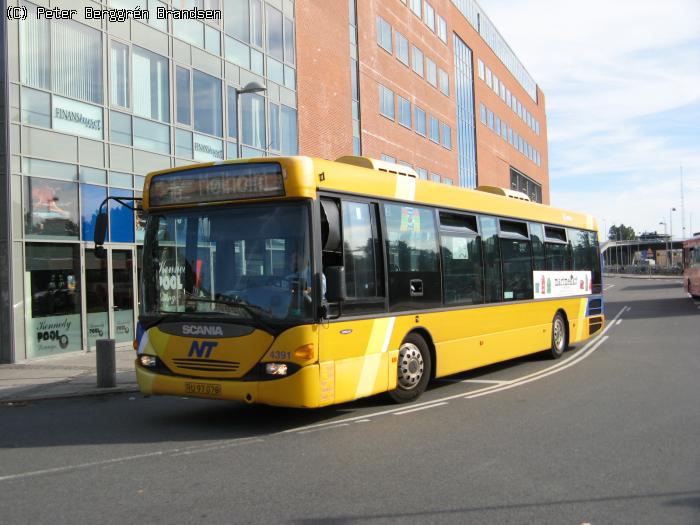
(621, 81)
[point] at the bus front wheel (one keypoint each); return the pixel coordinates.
(414, 368)
(560, 336)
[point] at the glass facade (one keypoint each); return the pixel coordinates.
(98, 105)
(466, 133)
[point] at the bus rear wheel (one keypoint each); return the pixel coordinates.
(560, 336)
(414, 368)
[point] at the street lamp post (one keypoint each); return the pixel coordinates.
(665, 240)
(670, 215)
(250, 87)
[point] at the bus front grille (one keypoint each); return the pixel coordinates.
(207, 365)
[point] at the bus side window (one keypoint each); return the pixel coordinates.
(362, 257)
(517, 261)
(412, 257)
(556, 249)
(537, 241)
(492, 260)
(461, 259)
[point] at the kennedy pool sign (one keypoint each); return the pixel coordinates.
(561, 284)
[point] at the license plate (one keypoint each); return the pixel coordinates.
(203, 389)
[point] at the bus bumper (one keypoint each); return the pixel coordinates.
(301, 389)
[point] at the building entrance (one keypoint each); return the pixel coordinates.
(110, 298)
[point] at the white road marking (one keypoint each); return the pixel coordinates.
(608, 287)
(419, 408)
(112, 461)
(581, 357)
(619, 322)
(486, 381)
(339, 425)
(559, 364)
(220, 447)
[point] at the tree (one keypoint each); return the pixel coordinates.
(621, 233)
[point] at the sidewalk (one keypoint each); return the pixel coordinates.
(643, 276)
(68, 375)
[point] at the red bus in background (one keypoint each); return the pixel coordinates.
(691, 266)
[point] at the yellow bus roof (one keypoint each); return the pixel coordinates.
(304, 176)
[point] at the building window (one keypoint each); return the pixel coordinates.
(53, 274)
(183, 144)
(442, 29)
(416, 8)
(444, 82)
(422, 173)
(446, 135)
(76, 60)
(253, 120)
(429, 16)
(256, 23)
(289, 47)
(404, 112)
(237, 19)
(289, 140)
(419, 119)
(418, 61)
(434, 129)
(51, 208)
(387, 158)
(435, 177)
(151, 136)
(120, 128)
(151, 86)
(524, 184)
(191, 31)
(386, 102)
(36, 108)
(273, 115)
(401, 48)
(61, 55)
(275, 39)
(430, 71)
(208, 109)
(182, 106)
(384, 34)
(119, 57)
(480, 66)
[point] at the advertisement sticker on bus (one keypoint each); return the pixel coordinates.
(562, 284)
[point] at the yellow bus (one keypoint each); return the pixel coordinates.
(304, 282)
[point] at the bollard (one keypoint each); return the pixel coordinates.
(106, 363)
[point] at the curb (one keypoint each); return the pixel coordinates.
(92, 392)
(646, 277)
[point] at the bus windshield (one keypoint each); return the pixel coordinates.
(250, 263)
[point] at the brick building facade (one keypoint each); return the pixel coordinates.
(437, 88)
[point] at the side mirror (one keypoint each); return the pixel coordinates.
(100, 229)
(335, 284)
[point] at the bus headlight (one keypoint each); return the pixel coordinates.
(148, 361)
(276, 369)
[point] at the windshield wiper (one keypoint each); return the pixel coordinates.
(252, 310)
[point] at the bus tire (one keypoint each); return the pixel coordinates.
(560, 336)
(413, 369)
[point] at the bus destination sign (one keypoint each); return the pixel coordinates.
(217, 183)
